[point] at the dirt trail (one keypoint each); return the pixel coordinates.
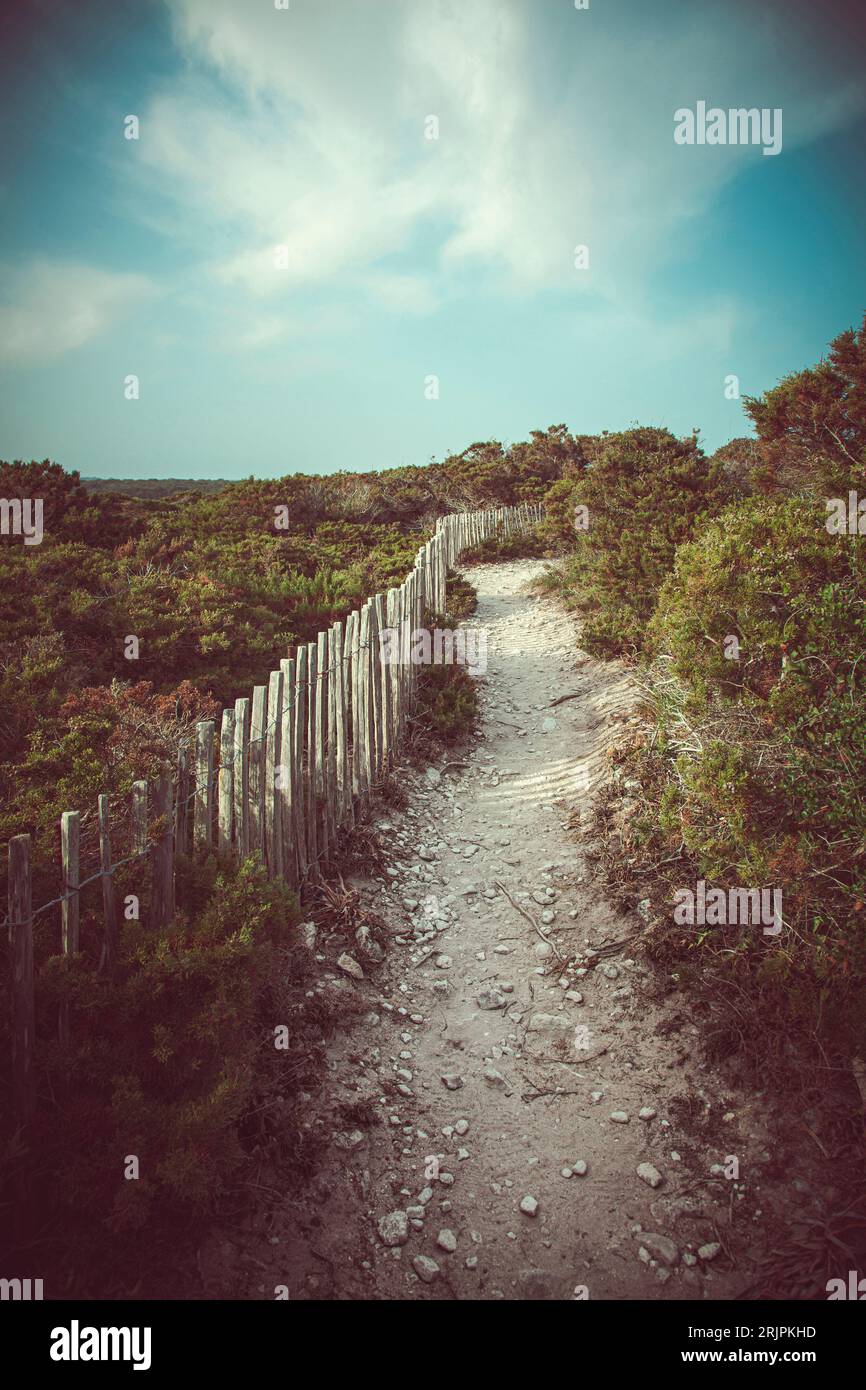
(540, 1057)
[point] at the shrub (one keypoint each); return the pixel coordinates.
(646, 492)
(168, 1054)
(447, 703)
(758, 767)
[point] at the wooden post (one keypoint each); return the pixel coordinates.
(312, 743)
(321, 736)
(162, 855)
(20, 902)
(375, 688)
(242, 777)
(385, 669)
(202, 828)
(226, 782)
(394, 671)
(331, 768)
(181, 805)
(299, 729)
(341, 716)
(353, 645)
(108, 904)
(257, 770)
(365, 702)
(70, 837)
(288, 778)
(273, 800)
(139, 817)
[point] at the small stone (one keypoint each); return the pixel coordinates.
(452, 1080)
(491, 999)
(394, 1228)
(619, 1117)
(350, 966)
(461, 1127)
(566, 1172)
(446, 1240)
(709, 1251)
(352, 1139)
(648, 1174)
(647, 1113)
(580, 1168)
(529, 1205)
(660, 1247)
(426, 1269)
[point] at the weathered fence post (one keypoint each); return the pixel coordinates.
(226, 782)
(365, 706)
(257, 770)
(341, 718)
(299, 730)
(312, 718)
(287, 789)
(109, 909)
(273, 799)
(353, 646)
(70, 838)
(331, 766)
(242, 777)
(181, 804)
(202, 828)
(139, 817)
(321, 702)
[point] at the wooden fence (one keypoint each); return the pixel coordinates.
(289, 769)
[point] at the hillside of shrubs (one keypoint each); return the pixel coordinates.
(742, 605)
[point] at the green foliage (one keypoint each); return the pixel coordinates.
(645, 492)
(447, 703)
(812, 426)
(461, 599)
(169, 1054)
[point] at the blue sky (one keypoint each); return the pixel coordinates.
(408, 257)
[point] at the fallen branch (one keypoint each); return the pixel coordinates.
(529, 918)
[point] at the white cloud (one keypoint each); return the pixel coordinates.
(53, 307)
(304, 129)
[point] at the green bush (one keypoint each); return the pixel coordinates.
(169, 1053)
(763, 775)
(645, 493)
(447, 703)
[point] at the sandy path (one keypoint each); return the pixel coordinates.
(595, 1034)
